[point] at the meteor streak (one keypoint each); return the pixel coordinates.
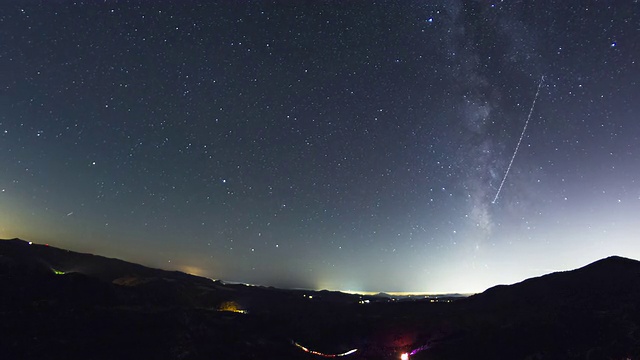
(495, 199)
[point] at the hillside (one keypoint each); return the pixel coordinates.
(61, 304)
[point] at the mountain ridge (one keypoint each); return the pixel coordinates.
(600, 278)
(592, 312)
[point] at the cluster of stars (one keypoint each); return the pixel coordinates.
(297, 145)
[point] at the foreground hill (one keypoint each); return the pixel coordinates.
(59, 304)
(588, 313)
(595, 285)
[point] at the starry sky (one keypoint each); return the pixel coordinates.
(346, 145)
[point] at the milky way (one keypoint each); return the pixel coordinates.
(342, 145)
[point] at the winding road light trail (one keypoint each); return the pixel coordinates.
(322, 354)
(495, 199)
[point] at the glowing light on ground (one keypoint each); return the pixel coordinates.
(352, 351)
(404, 356)
(231, 306)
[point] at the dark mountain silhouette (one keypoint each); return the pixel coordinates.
(59, 304)
(106, 269)
(599, 282)
(589, 313)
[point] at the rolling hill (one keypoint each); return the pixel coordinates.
(59, 304)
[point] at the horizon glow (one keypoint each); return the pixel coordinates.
(352, 146)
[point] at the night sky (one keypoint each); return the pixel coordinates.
(347, 145)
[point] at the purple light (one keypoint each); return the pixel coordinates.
(415, 351)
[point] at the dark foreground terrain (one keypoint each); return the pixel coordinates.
(58, 304)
